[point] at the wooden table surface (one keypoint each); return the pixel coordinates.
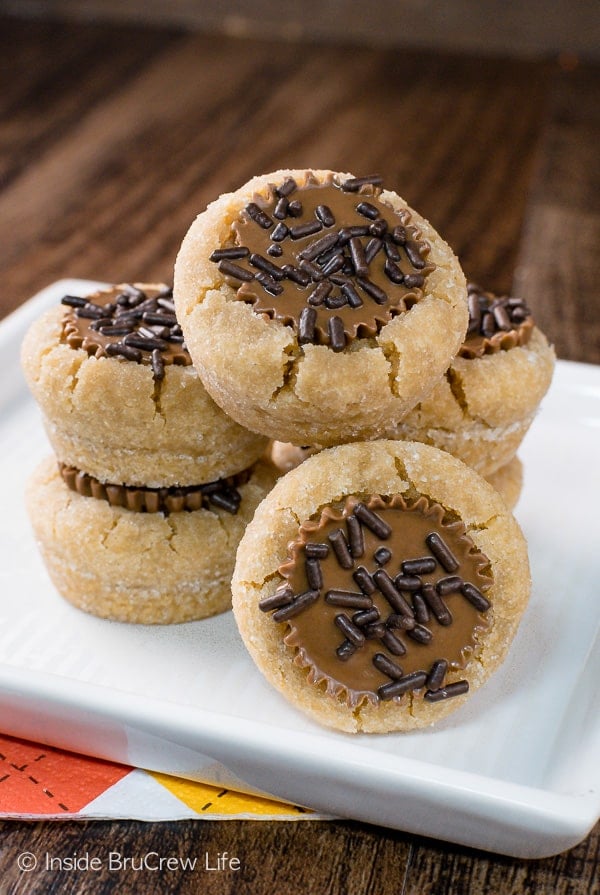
(112, 139)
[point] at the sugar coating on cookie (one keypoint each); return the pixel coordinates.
(120, 397)
(142, 556)
(507, 480)
(318, 307)
(481, 409)
(379, 584)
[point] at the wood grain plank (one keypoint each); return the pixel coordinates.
(334, 858)
(57, 73)
(289, 858)
(113, 195)
(489, 26)
(439, 869)
(558, 270)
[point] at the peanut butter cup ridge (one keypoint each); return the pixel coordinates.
(222, 493)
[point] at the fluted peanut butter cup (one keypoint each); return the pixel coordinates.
(120, 398)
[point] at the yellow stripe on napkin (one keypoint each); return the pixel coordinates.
(206, 799)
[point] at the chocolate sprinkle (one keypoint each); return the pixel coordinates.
(307, 229)
(475, 597)
(441, 551)
(298, 605)
(367, 210)
(280, 598)
(447, 692)
(306, 330)
(127, 323)
(404, 622)
(258, 215)
(287, 187)
(230, 254)
(157, 364)
(118, 349)
(436, 675)
(348, 599)
(314, 576)
(316, 248)
(325, 215)
(393, 644)
(436, 604)
(413, 681)
(386, 586)
(364, 580)
(345, 651)
(382, 555)
(267, 266)
(340, 548)
(366, 617)
(377, 525)
(373, 290)
(407, 582)
(420, 609)
(353, 184)
(344, 257)
(422, 566)
(421, 634)
(385, 665)
(448, 585)
(355, 537)
(353, 634)
(337, 338)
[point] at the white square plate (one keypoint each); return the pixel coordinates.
(516, 770)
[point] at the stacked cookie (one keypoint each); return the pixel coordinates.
(139, 516)
(482, 407)
(383, 578)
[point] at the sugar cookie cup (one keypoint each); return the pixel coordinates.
(139, 566)
(482, 408)
(328, 310)
(508, 480)
(378, 584)
(119, 395)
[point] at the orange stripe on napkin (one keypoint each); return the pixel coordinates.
(41, 780)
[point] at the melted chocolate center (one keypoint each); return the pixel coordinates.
(129, 323)
(384, 597)
(495, 323)
(331, 259)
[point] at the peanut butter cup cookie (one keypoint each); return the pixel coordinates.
(120, 397)
(143, 555)
(482, 408)
(318, 307)
(379, 583)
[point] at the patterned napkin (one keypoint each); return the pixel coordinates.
(40, 782)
